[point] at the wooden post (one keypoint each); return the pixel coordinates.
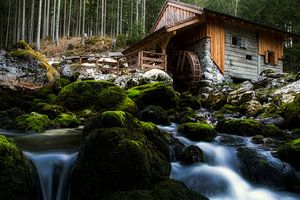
(97, 62)
(139, 60)
(118, 66)
(80, 60)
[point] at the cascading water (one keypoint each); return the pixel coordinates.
(219, 177)
(52, 154)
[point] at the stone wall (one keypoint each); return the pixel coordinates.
(210, 72)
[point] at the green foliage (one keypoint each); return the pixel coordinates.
(137, 34)
(16, 179)
(33, 122)
(199, 131)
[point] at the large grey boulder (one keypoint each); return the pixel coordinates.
(288, 92)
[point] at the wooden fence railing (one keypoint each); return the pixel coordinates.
(136, 60)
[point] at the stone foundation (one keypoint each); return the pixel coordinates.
(210, 72)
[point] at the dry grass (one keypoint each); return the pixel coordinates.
(72, 46)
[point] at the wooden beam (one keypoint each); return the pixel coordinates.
(179, 26)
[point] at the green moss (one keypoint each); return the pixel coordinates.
(113, 118)
(52, 111)
(154, 94)
(87, 94)
(188, 100)
(247, 127)
(16, 179)
(292, 112)
(110, 97)
(290, 152)
(148, 127)
(7, 117)
(258, 139)
(24, 52)
(155, 114)
(33, 122)
(128, 105)
(66, 120)
(192, 154)
(199, 131)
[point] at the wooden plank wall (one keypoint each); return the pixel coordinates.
(269, 41)
(215, 30)
(236, 64)
(172, 15)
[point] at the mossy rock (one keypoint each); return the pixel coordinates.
(290, 152)
(128, 105)
(165, 190)
(199, 131)
(188, 100)
(52, 111)
(7, 117)
(154, 94)
(99, 95)
(66, 120)
(32, 122)
(119, 153)
(226, 109)
(192, 154)
(246, 127)
(292, 113)
(16, 175)
(155, 114)
(22, 51)
(174, 190)
(258, 139)
(251, 108)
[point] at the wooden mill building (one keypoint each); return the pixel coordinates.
(200, 46)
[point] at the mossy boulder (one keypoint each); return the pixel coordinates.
(174, 190)
(7, 117)
(165, 190)
(32, 122)
(16, 175)
(119, 153)
(188, 100)
(155, 114)
(192, 154)
(66, 120)
(87, 94)
(52, 111)
(260, 169)
(199, 131)
(290, 152)
(23, 52)
(246, 127)
(258, 139)
(154, 94)
(292, 113)
(251, 108)
(128, 105)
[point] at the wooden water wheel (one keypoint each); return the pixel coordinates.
(185, 68)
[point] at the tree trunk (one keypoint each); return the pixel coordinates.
(118, 17)
(23, 20)
(102, 17)
(97, 17)
(79, 23)
(44, 19)
(31, 22)
(19, 20)
(69, 19)
(38, 33)
(83, 24)
(53, 22)
(131, 17)
(7, 26)
(65, 18)
(121, 18)
(48, 18)
(57, 23)
(137, 11)
(144, 16)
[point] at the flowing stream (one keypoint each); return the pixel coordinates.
(219, 177)
(52, 154)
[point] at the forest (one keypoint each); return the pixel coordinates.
(129, 20)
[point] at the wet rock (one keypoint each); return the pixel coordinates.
(287, 93)
(290, 152)
(192, 154)
(251, 108)
(266, 170)
(188, 100)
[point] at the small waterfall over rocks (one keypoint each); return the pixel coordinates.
(219, 178)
